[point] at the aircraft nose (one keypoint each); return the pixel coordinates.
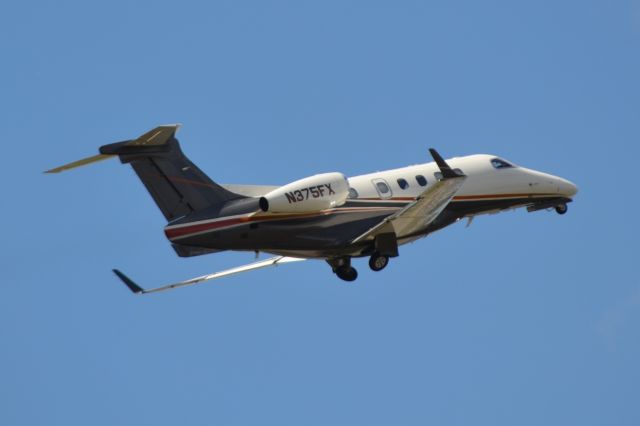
(567, 188)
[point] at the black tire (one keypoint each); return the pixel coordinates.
(561, 208)
(377, 262)
(347, 273)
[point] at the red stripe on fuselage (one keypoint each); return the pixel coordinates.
(181, 231)
(178, 232)
(184, 230)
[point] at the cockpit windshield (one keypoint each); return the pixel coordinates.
(499, 163)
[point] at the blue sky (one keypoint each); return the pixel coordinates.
(522, 318)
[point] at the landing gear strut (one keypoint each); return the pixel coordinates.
(561, 208)
(342, 268)
(377, 262)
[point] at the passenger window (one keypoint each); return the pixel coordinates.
(353, 193)
(403, 184)
(422, 181)
(381, 185)
(499, 163)
(383, 188)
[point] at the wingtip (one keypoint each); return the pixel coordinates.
(437, 157)
(445, 169)
(135, 288)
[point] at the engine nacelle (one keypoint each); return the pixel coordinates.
(311, 194)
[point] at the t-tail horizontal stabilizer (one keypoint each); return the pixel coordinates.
(150, 141)
(274, 261)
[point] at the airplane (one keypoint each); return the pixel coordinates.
(325, 216)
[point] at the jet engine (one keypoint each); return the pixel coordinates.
(311, 194)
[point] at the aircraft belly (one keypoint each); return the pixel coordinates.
(332, 231)
(329, 235)
(466, 208)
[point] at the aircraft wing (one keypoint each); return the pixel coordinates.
(274, 261)
(424, 209)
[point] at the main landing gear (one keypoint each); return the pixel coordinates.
(347, 273)
(377, 262)
(342, 266)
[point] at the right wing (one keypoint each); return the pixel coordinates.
(274, 261)
(424, 209)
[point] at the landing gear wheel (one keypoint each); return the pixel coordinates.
(561, 208)
(377, 262)
(347, 273)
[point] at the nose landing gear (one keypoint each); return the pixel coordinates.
(559, 205)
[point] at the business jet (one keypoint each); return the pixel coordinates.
(325, 216)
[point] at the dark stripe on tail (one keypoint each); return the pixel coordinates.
(177, 185)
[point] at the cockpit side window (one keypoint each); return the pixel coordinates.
(499, 163)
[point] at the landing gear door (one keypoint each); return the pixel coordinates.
(383, 188)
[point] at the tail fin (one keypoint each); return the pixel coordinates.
(177, 185)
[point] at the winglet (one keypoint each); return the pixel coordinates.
(447, 172)
(135, 288)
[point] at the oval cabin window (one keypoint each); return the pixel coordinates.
(383, 188)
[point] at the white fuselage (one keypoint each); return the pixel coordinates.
(484, 182)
